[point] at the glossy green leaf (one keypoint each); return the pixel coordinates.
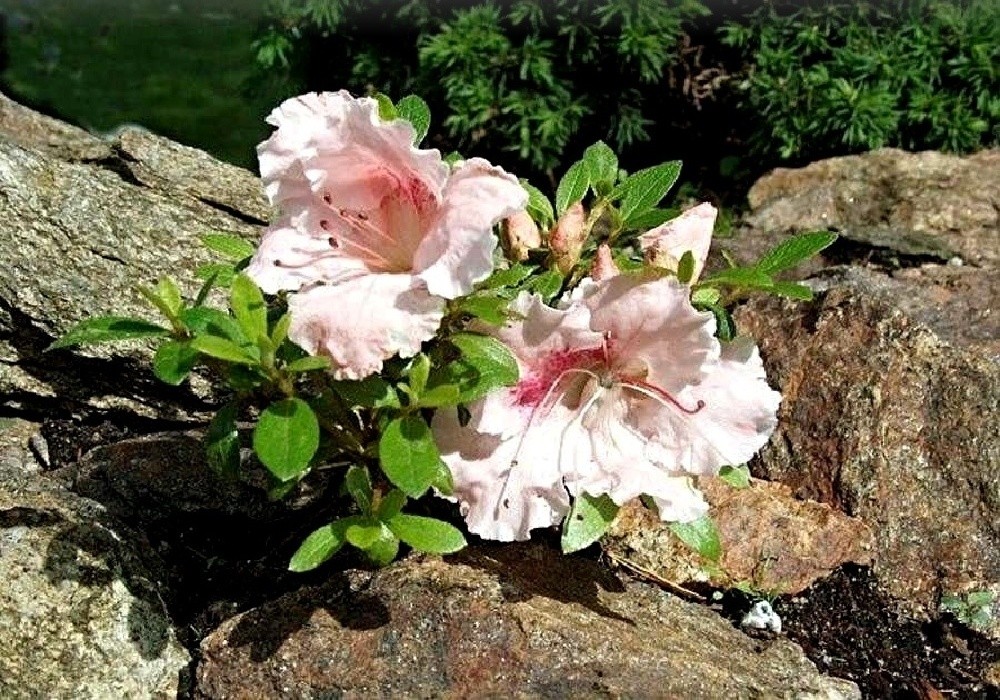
(249, 308)
(685, 267)
(170, 294)
(441, 395)
(602, 163)
(202, 320)
(443, 480)
(222, 443)
(419, 370)
(573, 186)
(386, 109)
(358, 483)
(793, 251)
(738, 477)
(371, 392)
(484, 364)
(507, 277)
(539, 207)
(384, 549)
(320, 545)
(414, 110)
(365, 533)
(491, 308)
(651, 219)
(705, 296)
(701, 535)
(222, 349)
(391, 504)
(588, 519)
(643, 190)
(228, 246)
(427, 534)
(792, 290)
(286, 438)
(221, 274)
(408, 455)
(749, 277)
(108, 329)
(174, 361)
(280, 331)
(308, 364)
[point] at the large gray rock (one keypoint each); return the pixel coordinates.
(80, 609)
(84, 222)
(926, 204)
(513, 621)
(891, 412)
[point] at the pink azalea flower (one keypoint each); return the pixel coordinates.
(373, 233)
(624, 391)
(666, 244)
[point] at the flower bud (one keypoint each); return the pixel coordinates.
(604, 264)
(519, 235)
(567, 238)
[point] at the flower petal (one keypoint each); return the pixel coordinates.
(363, 321)
(652, 323)
(458, 251)
(666, 244)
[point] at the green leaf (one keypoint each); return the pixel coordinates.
(573, 186)
(485, 364)
(652, 218)
(286, 438)
(408, 455)
(419, 370)
(308, 364)
(320, 545)
(643, 190)
(427, 534)
(202, 320)
(701, 535)
(441, 395)
(705, 296)
(685, 267)
(108, 329)
(365, 533)
(547, 285)
(602, 163)
(384, 549)
(491, 308)
(228, 246)
(539, 207)
(386, 109)
(509, 277)
(247, 302)
(725, 329)
(358, 483)
(792, 290)
(790, 253)
(371, 392)
(749, 277)
(280, 331)
(222, 443)
(168, 292)
(221, 274)
(173, 361)
(391, 504)
(738, 477)
(414, 110)
(588, 519)
(443, 480)
(206, 288)
(222, 349)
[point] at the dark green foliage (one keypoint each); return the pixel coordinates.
(846, 76)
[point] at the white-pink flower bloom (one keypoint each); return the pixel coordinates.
(691, 231)
(374, 234)
(624, 391)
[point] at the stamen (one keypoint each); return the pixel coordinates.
(325, 224)
(657, 394)
(359, 221)
(332, 242)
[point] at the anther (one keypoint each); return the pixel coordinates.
(333, 242)
(324, 224)
(327, 198)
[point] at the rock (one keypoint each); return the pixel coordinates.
(80, 608)
(772, 542)
(892, 422)
(84, 222)
(22, 448)
(510, 621)
(927, 204)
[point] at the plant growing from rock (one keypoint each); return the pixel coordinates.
(425, 325)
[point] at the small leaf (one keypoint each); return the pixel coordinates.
(168, 291)
(547, 285)
(207, 287)
(652, 218)
(427, 534)
(384, 549)
(308, 364)
(371, 392)
(441, 395)
(364, 534)
(286, 438)
(280, 331)
(792, 290)
(222, 349)
(222, 443)
(705, 296)
(685, 267)
(320, 545)
(443, 480)
(408, 455)
(509, 277)
(391, 504)
(222, 274)
(738, 477)
(539, 207)
(414, 110)
(228, 246)
(173, 361)
(108, 329)
(202, 320)
(643, 190)
(573, 186)
(386, 109)
(725, 329)
(588, 519)
(247, 303)
(359, 485)
(420, 368)
(749, 277)
(790, 253)
(491, 308)
(602, 163)
(701, 535)
(485, 364)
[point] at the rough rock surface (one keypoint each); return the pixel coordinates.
(84, 222)
(80, 610)
(928, 203)
(511, 621)
(771, 541)
(892, 422)
(22, 448)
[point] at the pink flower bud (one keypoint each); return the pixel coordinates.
(567, 238)
(520, 234)
(604, 264)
